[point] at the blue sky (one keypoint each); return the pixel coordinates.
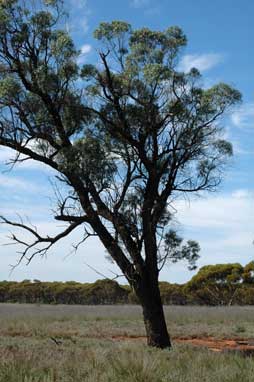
(220, 38)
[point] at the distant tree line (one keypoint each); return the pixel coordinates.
(222, 284)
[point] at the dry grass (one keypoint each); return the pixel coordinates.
(87, 351)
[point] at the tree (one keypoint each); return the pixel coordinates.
(248, 273)
(126, 137)
(217, 284)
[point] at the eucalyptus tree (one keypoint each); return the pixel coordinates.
(126, 136)
(217, 284)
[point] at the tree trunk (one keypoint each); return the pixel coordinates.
(155, 324)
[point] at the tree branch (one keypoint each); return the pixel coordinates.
(38, 239)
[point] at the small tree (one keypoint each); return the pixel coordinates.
(126, 140)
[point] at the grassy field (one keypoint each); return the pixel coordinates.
(97, 343)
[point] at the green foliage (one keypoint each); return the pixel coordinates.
(175, 251)
(48, 70)
(88, 72)
(100, 292)
(217, 284)
(221, 284)
(219, 274)
(108, 31)
(248, 273)
(147, 86)
(9, 88)
(174, 294)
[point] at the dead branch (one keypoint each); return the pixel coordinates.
(32, 249)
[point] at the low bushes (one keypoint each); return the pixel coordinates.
(221, 284)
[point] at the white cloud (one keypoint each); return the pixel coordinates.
(17, 183)
(24, 206)
(202, 62)
(59, 264)
(232, 212)
(139, 3)
(84, 51)
(224, 227)
(243, 117)
(242, 194)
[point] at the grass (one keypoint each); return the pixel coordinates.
(88, 352)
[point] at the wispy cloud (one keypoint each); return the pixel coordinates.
(223, 226)
(207, 213)
(153, 11)
(148, 7)
(139, 3)
(202, 62)
(17, 183)
(243, 117)
(79, 3)
(240, 148)
(79, 12)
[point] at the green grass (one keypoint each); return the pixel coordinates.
(89, 353)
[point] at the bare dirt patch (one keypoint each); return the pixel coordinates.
(244, 346)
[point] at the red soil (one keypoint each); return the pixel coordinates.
(246, 346)
(220, 345)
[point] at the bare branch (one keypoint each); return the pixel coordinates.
(32, 249)
(103, 275)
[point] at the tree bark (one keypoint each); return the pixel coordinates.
(154, 318)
